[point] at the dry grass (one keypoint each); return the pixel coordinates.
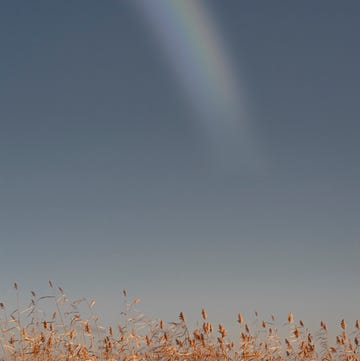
(27, 334)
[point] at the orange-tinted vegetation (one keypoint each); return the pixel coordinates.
(28, 334)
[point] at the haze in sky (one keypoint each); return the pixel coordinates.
(197, 154)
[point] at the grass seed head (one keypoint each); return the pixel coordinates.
(182, 317)
(291, 318)
(343, 324)
(204, 314)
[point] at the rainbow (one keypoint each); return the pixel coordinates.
(189, 35)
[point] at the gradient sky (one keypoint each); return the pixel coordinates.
(109, 178)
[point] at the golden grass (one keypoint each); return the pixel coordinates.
(27, 335)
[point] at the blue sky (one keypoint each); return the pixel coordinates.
(109, 178)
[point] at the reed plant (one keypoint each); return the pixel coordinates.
(64, 334)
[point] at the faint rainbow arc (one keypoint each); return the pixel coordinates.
(189, 35)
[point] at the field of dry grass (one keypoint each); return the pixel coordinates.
(28, 334)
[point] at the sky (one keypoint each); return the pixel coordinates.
(197, 154)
